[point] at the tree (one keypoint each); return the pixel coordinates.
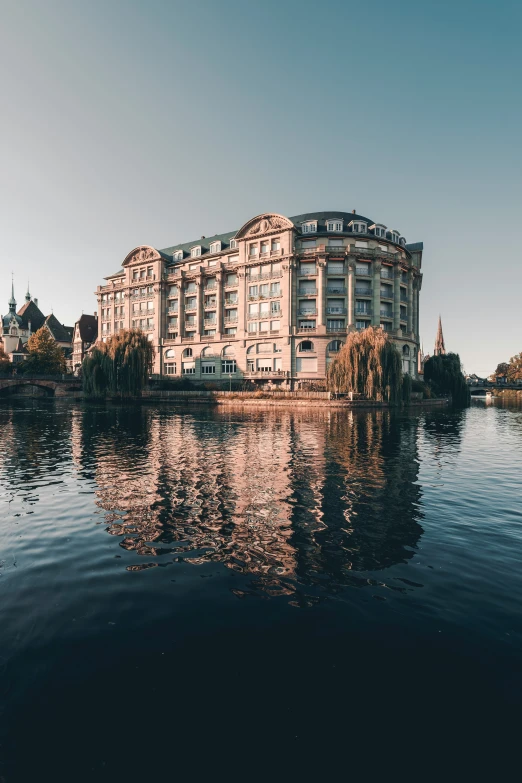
(5, 363)
(444, 374)
(515, 368)
(120, 366)
(45, 355)
(368, 364)
(502, 369)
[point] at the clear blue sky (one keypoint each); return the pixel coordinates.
(127, 122)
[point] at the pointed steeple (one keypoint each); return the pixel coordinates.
(28, 295)
(12, 301)
(440, 348)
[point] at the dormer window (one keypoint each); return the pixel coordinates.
(379, 230)
(394, 236)
(195, 251)
(233, 243)
(310, 227)
(402, 241)
(334, 225)
(178, 255)
(358, 227)
(215, 247)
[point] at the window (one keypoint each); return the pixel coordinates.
(264, 289)
(188, 368)
(231, 330)
(187, 352)
(135, 275)
(335, 268)
(335, 324)
(394, 235)
(402, 241)
(233, 243)
(306, 345)
(190, 303)
(170, 354)
(253, 309)
(170, 368)
(362, 269)
(253, 250)
(142, 274)
(264, 365)
(208, 368)
(304, 325)
(173, 290)
(362, 324)
(275, 326)
(379, 230)
(195, 251)
(215, 247)
(252, 290)
(264, 248)
(228, 350)
(306, 364)
(264, 309)
(177, 255)
(308, 244)
(362, 306)
(150, 305)
(264, 326)
(336, 243)
(231, 279)
(334, 225)
(334, 346)
(276, 245)
(359, 228)
(233, 259)
(361, 244)
(231, 315)
(383, 247)
(310, 227)
(275, 307)
(149, 271)
(307, 268)
(228, 366)
(275, 289)
(386, 326)
(252, 326)
(191, 287)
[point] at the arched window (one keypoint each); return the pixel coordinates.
(206, 351)
(251, 349)
(406, 350)
(170, 354)
(187, 352)
(228, 350)
(305, 345)
(334, 346)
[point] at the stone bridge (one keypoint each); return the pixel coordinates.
(490, 387)
(47, 385)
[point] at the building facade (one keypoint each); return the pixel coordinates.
(272, 302)
(84, 335)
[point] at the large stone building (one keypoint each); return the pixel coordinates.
(272, 302)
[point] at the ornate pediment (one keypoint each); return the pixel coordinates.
(268, 223)
(141, 255)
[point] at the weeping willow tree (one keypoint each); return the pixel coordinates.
(368, 364)
(444, 375)
(120, 366)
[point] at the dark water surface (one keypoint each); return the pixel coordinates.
(188, 590)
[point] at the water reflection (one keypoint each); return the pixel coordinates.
(298, 503)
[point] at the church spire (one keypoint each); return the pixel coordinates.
(28, 295)
(12, 301)
(440, 348)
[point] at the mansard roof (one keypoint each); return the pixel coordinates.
(30, 312)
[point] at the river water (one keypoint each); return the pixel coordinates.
(179, 585)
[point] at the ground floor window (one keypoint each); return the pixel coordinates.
(228, 366)
(188, 368)
(170, 368)
(208, 368)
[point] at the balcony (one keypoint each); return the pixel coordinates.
(211, 287)
(331, 330)
(304, 273)
(309, 292)
(230, 320)
(403, 300)
(336, 311)
(386, 294)
(231, 285)
(172, 310)
(189, 338)
(363, 291)
(231, 302)
(370, 252)
(339, 249)
(386, 275)
(333, 290)
(210, 305)
(306, 330)
(360, 272)
(386, 313)
(210, 322)
(362, 312)
(190, 308)
(307, 312)
(264, 276)
(266, 374)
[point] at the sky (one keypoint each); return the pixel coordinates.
(127, 122)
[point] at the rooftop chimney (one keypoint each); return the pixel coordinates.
(354, 212)
(36, 302)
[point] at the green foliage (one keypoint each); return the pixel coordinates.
(45, 355)
(406, 388)
(368, 364)
(502, 369)
(120, 366)
(515, 368)
(418, 386)
(5, 363)
(444, 374)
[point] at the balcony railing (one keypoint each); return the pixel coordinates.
(386, 275)
(210, 287)
(386, 313)
(307, 273)
(334, 290)
(264, 276)
(330, 329)
(370, 252)
(386, 294)
(266, 373)
(358, 311)
(306, 330)
(336, 310)
(231, 302)
(363, 291)
(172, 310)
(210, 305)
(360, 272)
(190, 308)
(307, 312)
(310, 292)
(210, 322)
(341, 249)
(230, 320)
(231, 285)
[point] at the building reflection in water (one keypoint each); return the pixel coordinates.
(298, 503)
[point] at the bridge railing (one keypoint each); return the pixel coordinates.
(38, 377)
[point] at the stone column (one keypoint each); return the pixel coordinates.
(376, 301)
(351, 294)
(321, 296)
(219, 302)
(410, 302)
(396, 297)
